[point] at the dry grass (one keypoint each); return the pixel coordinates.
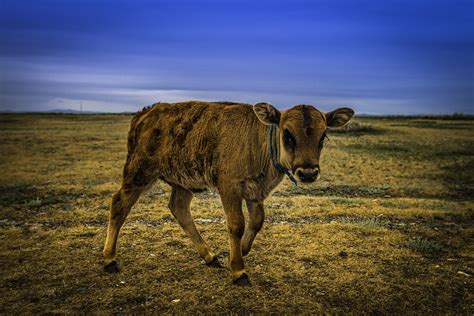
(387, 230)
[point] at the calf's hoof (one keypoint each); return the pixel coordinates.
(243, 280)
(112, 267)
(214, 263)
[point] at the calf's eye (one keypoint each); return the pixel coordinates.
(288, 139)
(321, 141)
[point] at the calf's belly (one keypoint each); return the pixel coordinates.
(190, 174)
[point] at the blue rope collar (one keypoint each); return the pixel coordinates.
(274, 155)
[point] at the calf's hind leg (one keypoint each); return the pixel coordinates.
(122, 202)
(180, 200)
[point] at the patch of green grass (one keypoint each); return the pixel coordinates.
(372, 222)
(394, 204)
(93, 181)
(346, 201)
(373, 191)
(424, 245)
(36, 202)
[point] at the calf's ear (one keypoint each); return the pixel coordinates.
(339, 117)
(267, 113)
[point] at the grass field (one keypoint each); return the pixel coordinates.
(388, 229)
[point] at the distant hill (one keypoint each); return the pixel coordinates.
(63, 111)
(69, 111)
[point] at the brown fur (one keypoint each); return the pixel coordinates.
(197, 145)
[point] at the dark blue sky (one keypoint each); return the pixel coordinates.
(382, 57)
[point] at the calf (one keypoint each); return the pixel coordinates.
(241, 150)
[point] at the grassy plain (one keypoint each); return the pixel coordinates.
(388, 229)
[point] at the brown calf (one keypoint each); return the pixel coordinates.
(196, 145)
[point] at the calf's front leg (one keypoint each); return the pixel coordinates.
(232, 203)
(256, 217)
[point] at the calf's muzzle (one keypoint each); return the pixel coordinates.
(308, 175)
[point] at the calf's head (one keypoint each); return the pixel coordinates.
(302, 134)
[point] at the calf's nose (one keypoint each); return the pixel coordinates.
(307, 176)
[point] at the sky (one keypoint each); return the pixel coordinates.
(378, 57)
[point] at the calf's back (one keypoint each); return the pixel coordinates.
(197, 145)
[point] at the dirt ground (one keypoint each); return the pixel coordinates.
(388, 229)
